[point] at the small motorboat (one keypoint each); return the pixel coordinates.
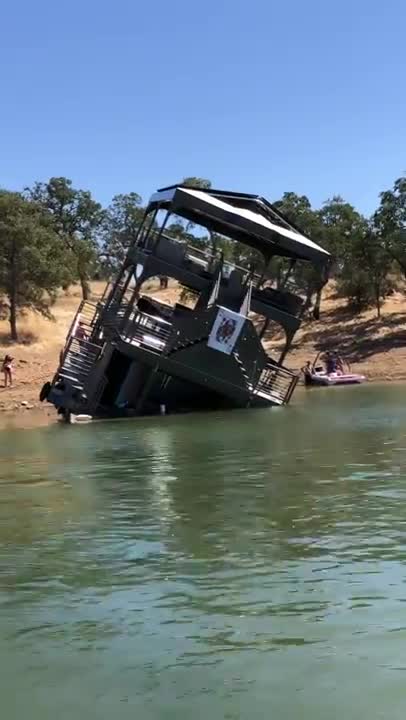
(317, 375)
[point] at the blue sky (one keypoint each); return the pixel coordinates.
(259, 96)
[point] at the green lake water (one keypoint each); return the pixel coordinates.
(241, 565)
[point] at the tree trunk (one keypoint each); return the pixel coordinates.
(12, 295)
(378, 302)
(13, 316)
(85, 286)
(316, 309)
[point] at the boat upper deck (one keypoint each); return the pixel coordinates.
(196, 268)
(249, 219)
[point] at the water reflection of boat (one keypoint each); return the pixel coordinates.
(335, 373)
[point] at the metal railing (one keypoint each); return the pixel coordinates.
(79, 355)
(87, 315)
(113, 321)
(281, 299)
(277, 381)
(203, 262)
(147, 331)
(78, 360)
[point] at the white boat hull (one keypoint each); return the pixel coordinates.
(334, 379)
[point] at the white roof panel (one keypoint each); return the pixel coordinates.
(252, 227)
(297, 241)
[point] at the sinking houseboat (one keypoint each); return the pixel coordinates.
(130, 354)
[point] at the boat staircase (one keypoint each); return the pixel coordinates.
(80, 354)
(115, 307)
(78, 361)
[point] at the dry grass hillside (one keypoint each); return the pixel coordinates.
(374, 347)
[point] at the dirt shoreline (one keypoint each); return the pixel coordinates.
(39, 415)
(23, 410)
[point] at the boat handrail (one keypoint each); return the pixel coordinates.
(278, 381)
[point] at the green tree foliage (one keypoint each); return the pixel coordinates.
(362, 264)
(122, 219)
(365, 278)
(234, 252)
(197, 182)
(298, 211)
(32, 258)
(365, 252)
(375, 261)
(202, 184)
(77, 219)
(390, 222)
(340, 224)
(177, 231)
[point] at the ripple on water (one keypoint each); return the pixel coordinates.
(194, 558)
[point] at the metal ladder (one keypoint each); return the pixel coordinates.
(78, 360)
(80, 354)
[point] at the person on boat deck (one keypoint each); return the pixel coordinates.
(339, 364)
(307, 373)
(307, 369)
(330, 362)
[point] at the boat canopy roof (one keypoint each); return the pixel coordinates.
(250, 219)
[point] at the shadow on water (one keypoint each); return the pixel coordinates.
(166, 545)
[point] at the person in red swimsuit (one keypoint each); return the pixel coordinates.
(8, 370)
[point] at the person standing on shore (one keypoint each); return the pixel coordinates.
(8, 370)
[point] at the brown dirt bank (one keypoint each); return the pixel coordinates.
(376, 348)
